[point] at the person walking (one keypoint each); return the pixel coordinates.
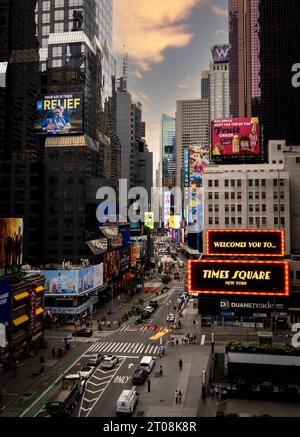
(176, 396)
(149, 386)
(160, 370)
(179, 396)
(180, 363)
(194, 322)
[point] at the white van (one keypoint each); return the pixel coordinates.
(127, 402)
(147, 363)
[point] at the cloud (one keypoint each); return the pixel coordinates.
(221, 32)
(187, 83)
(149, 27)
(219, 11)
(136, 73)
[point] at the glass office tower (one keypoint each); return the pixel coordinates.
(168, 151)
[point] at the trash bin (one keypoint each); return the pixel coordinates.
(67, 347)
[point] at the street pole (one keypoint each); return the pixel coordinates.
(203, 384)
(212, 343)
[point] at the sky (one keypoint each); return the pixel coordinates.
(168, 44)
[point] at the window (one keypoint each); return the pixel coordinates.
(226, 183)
(257, 209)
(239, 195)
(250, 182)
(263, 182)
(226, 220)
(46, 18)
(46, 5)
(60, 3)
(298, 160)
(298, 275)
(239, 220)
(226, 208)
(58, 27)
(232, 183)
(75, 2)
(210, 196)
(45, 30)
(281, 208)
(210, 208)
(216, 208)
(226, 196)
(275, 195)
(59, 15)
(264, 208)
(239, 183)
(282, 221)
(276, 221)
(257, 195)
(56, 63)
(233, 220)
(232, 208)
(57, 52)
(250, 208)
(216, 196)
(264, 221)
(216, 184)
(263, 195)
(210, 183)
(275, 182)
(257, 221)
(257, 182)
(216, 220)
(239, 208)
(251, 220)
(232, 196)
(250, 195)
(275, 208)
(281, 194)
(278, 146)
(282, 182)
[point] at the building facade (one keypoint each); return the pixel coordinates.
(219, 90)
(205, 84)
(192, 129)
(168, 150)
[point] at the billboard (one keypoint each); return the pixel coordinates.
(235, 137)
(175, 221)
(149, 220)
(124, 259)
(11, 242)
(5, 302)
(98, 246)
(220, 53)
(198, 159)
(73, 282)
(111, 265)
(245, 243)
(167, 207)
(134, 253)
(59, 114)
(270, 278)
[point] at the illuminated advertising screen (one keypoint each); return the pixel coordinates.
(186, 180)
(73, 282)
(167, 208)
(269, 278)
(59, 114)
(175, 222)
(11, 242)
(198, 159)
(220, 53)
(134, 253)
(235, 136)
(124, 259)
(111, 265)
(5, 302)
(149, 220)
(245, 243)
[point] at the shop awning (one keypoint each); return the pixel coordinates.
(21, 296)
(20, 320)
(39, 311)
(39, 289)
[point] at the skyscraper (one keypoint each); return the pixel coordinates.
(168, 150)
(192, 129)
(219, 83)
(205, 84)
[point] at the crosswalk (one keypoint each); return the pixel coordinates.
(118, 348)
(143, 328)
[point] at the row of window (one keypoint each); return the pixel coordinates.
(251, 183)
(258, 221)
(252, 195)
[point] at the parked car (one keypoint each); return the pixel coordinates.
(150, 309)
(86, 371)
(139, 377)
(153, 304)
(109, 362)
(95, 359)
(127, 402)
(139, 320)
(170, 317)
(84, 332)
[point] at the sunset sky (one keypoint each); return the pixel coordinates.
(168, 44)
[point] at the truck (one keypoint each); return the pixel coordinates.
(127, 402)
(65, 398)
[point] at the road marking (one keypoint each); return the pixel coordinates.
(202, 340)
(146, 350)
(122, 347)
(127, 347)
(136, 347)
(140, 349)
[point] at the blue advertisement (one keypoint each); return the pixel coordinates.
(86, 279)
(5, 302)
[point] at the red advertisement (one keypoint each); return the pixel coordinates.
(235, 136)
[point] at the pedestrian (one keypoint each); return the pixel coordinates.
(177, 342)
(176, 396)
(212, 390)
(53, 352)
(194, 322)
(160, 370)
(149, 386)
(179, 324)
(179, 396)
(180, 363)
(216, 391)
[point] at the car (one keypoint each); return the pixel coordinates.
(109, 362)
(179, 301)
(139, 377)
(139, 320)
(86, 371)
(170, 317)
(153, 304)
(150, 309)
(76, 377)
(145, 315)
(95, 359)
(83, 333)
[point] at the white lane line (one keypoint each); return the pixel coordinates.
(127, 347)
(118, 345)
(136, 347)
(147, 348)
(122, 347)
(202, 340)
(140, 349)
(155, 350)
(150, 349)
(110, 347)
(97, 345)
